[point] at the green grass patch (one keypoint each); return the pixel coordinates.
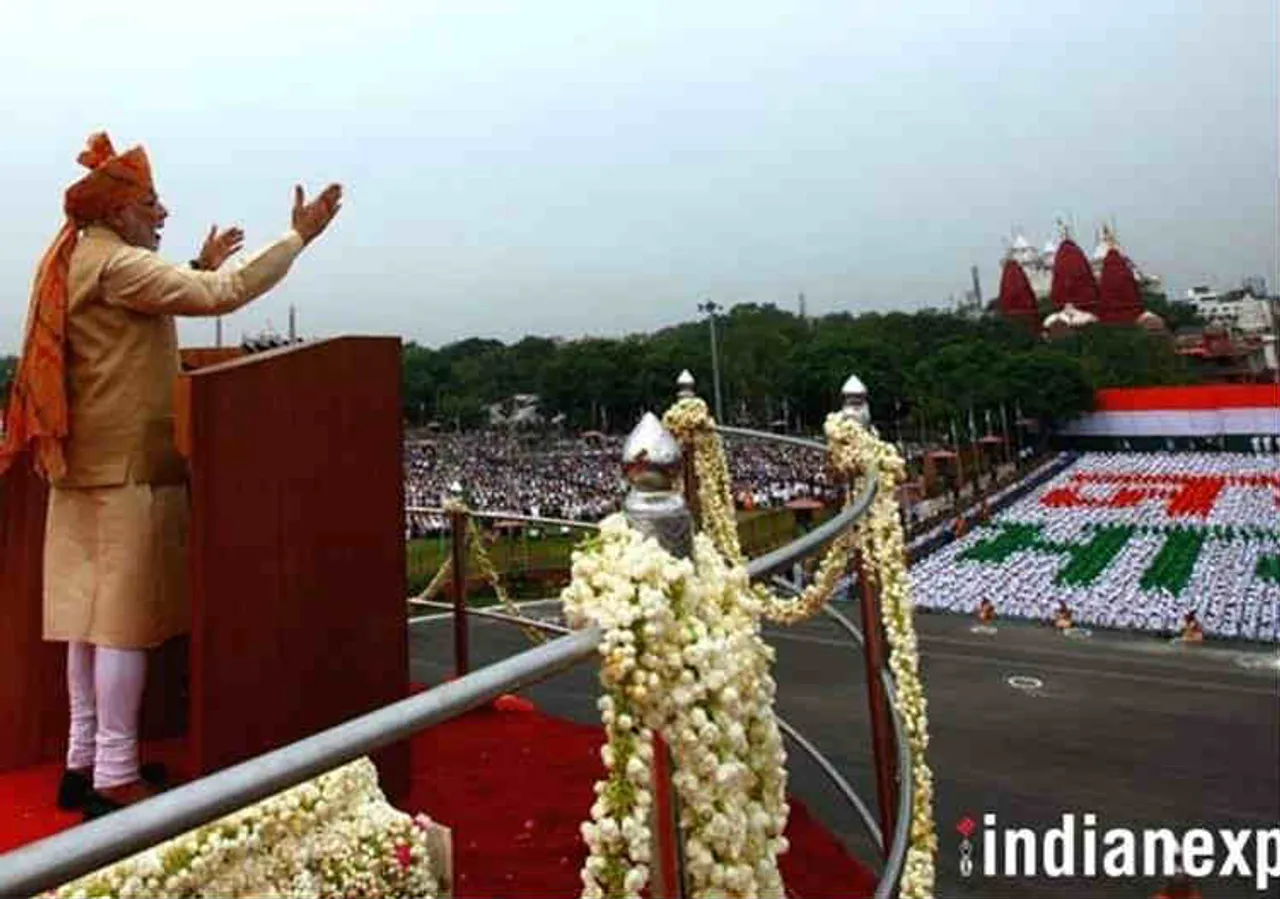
(529, 566)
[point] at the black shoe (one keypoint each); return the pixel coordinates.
(96, 805)
(76, 790)
(73, 789)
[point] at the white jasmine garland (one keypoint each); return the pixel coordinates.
(853, 452)
(334, 836)
(881, 539)
(690, 421)
(681, 656)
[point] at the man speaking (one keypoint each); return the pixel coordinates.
(92, 400)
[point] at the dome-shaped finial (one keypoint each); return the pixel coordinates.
(651, 456)
(856, 405)
(654, 505)
(685, 384)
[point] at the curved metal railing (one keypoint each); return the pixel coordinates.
(58, 859)
(504, 516)
(824, 764)
(760, 568)
(55, 860)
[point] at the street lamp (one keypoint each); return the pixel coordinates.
(711, 308)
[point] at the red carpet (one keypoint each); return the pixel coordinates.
(513, 786)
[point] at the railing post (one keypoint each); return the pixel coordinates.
(882, 743)
(651, 463)
(458, 524)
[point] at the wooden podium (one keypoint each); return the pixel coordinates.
(295, 557)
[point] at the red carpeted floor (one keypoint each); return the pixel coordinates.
(514, 785)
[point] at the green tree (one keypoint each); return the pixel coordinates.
(926, 371)
(1049, 384)
(1124, 356)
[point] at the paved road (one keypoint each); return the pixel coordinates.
(1136, 730)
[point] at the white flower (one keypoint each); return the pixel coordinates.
(703, 678)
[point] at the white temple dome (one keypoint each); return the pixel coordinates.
(1070, 316)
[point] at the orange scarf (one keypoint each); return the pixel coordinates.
(37, 412)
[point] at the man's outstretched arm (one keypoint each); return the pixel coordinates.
(142, 281)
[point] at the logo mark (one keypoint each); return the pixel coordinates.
(965, 827)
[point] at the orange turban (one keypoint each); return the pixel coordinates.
(37, 413)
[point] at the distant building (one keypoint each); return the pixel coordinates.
(1106, 287)
(1218, 356)
(1256, 285)
(1038, 265)
(1240, 311)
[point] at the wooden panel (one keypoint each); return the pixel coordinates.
(297, 547)
(203, 357)
(33, 682)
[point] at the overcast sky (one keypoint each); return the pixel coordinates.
(570, 167)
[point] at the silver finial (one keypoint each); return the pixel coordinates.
(856, 405)
(651, 456)
(654, 505)
(685, 385)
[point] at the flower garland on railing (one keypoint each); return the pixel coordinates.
(691, 423)
(682, 657)
(334, 836)
(477, 552)
(853, 453)
(882, 542)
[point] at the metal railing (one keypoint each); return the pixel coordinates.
(56, 860)
(73, 853)
(504, 516)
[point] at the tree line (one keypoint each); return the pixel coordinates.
(926, 372)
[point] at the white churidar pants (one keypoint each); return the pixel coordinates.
(106, 696)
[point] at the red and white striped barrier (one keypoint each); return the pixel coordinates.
(1203, 410)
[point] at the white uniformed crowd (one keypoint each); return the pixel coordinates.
(1227, 583)
(1229, 557)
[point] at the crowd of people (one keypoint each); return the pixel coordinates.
(1179, 543)
(1176, 543)
(580, 478)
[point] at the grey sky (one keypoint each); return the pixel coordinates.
(562, 167)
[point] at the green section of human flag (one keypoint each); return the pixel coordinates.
(1089, 557)
(1172, 566)
(1268, 569)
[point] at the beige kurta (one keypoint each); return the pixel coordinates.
(114, 555)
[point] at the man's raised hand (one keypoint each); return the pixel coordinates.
(310, 219)
(219, 247)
